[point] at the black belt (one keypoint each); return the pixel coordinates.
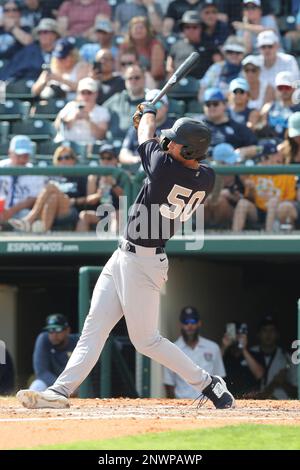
(130, 247)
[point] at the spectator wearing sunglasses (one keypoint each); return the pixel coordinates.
(13, 36)
(110, 82)
(259, 91)
(274, 115)
(202, 351)
(60, 201)
(52, 350)
(273, 61)
(129, 155)
(238, 99)
(128, 58)
(104, 39)
(83, 120)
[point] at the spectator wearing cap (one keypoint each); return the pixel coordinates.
(77, 17)
(13, 36)
(280, 378)
(224, 128)
(122, 106)
(150, 50)
(232, 10)
(110, 82)
(60, 201)
(222, 73)
(227, 191)
(126, 11)
(66, 69)
(102, 190)
(244, 367)
(52, 350)
(215, 31)
(202, 351)
(290, 147)
(253, 23)
(175, 12)
(274, 115)
(27, 63)
(83, 120)
(19, 192)
(259, 91)
(129, 154)
(104, 39)
(238, 99)
(265, 194)
(274, 61)
(191, 42)
(130, 57)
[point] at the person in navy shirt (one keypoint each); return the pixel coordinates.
(52, 351)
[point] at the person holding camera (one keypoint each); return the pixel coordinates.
(82, 120)
(244, 368)
(103, 71)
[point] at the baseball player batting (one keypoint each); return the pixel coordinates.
(131, 281)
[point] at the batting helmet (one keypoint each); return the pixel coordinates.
(194, 135)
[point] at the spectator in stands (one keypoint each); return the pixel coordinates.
(290, 147)
(59, 202)
(227, 191)
(222, 73)
(149, 49)
(238, 100)
(292, 38)
(110, 82)
(129, 154)
(224, 128)
(274, 115)
(215, 32)
(149, 9)
(50, 8)
(280, 379)
(31, 13)
(259, 91)
(52, 350)
(253, 23)
(175, 12)
(274, 61)
(66, 70)
(130, 57)
(244, 367)
(19, 192)
(191, 41)
(83, 120)
(122, 106)
(13, 35)
(264, 195)
(77, 17)
(204, 352)
(102, 190)
(28, 62)
(7, 374)
(232, 10)
(104, 36)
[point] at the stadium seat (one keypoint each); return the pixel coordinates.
(14, 110)
(176, 108)
(4, 150)
(194, 107)
(36, 129)
(4, 131)
(187, 87)
(47, 109)
(19, 90)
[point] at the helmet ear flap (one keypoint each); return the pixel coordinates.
(164, 144)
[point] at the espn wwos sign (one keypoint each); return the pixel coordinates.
(2, 353)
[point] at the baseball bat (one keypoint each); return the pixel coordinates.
(182, 70)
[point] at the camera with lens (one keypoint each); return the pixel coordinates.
(46, 67)
(97, 67)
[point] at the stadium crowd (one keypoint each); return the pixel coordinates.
(72, 73)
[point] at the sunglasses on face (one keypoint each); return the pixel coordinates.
(135, 77)
(189, 321)
(233, 52)
(284, 88)
(250, 7)
(239, 91)
(107, 158)
(55, 330)
(7, 10)
(191, 26)
(212, 103)
(65, 157)
(251, 70)
(269, 46)
(126, 64)
(86, 92)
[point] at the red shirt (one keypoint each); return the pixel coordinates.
(82, 17)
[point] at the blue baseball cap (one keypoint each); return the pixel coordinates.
(239, 84)
(225, 153)
(213, 94)
(21, 144)
(56, 322)
(189, 313)
(63, 47)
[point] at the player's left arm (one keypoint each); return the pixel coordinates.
(144, 121)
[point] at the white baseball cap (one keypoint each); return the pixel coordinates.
(267, 38)
(253, 60)
(151, 94)
(20, 145)
(285, 78)
(255, 2)
(88, 84)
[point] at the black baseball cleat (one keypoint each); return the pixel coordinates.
(218, 393)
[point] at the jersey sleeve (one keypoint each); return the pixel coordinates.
(153, 158)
